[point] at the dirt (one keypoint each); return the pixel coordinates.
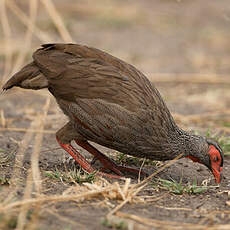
(158, 37)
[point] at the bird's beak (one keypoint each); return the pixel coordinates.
(217, 173)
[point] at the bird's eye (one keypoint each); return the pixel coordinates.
(215, 159)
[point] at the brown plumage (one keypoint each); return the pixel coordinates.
(113, 104)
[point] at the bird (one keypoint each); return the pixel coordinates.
(111, 103)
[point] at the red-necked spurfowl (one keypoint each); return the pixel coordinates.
(111, 103)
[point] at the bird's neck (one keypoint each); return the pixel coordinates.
(187, 144)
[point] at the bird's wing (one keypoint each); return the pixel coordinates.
(113, 97)
(76, 71)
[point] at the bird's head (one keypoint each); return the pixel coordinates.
(212, 156)
(216, 159)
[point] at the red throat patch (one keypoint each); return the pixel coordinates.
(213, 151)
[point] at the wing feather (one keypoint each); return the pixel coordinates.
(75, 71)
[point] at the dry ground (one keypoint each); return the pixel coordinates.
(183, 47)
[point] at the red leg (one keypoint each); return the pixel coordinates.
(107, 162)
(81, 160)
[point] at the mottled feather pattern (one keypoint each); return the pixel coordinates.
(111, 103)
(108, 125)
(108, 102)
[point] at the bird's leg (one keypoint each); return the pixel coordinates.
(76, 156)
(64, 136)
(107, 162)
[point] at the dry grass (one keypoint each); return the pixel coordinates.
(7, 34)
(101, 190)
(28, 36)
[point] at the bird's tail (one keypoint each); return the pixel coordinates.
(29, 77)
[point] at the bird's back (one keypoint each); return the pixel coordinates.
(76, 71)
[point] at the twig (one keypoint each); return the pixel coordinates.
(54, 198)
(26, 21)
(128, 199)
(139, 173)
(144, 182)
(135, 189)
(3, 119)
(173, 208)
(163, 224)
(36, 150)
(28, 37)
(19, 163)
(57, 20)
(7, 39)
(24, 209)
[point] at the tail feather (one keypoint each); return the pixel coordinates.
(28, 77)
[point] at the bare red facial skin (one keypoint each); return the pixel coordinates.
(215, 159)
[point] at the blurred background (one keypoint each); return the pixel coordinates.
(158, 36)
(182, 46)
